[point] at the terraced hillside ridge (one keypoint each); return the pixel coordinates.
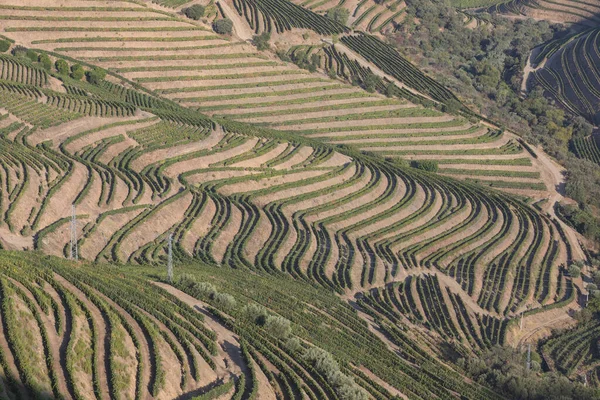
(569, 73)
(587, 148)
(584, 13)
(79, 332)
(276, 178)
(262, 200)
(87, 330)
(364, 15)
(573, 352)
(225, 77)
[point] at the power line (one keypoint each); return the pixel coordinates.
(170, 258)
(73, 253)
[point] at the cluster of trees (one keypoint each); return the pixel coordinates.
(505, 370)
(581, 217)
(94, 76)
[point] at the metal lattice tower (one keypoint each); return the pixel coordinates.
(73, 255)
(170, 259)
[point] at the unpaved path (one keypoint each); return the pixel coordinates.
(242, 30)
(229, 346)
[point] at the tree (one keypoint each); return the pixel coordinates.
(45, 61)
(262, 41)
(278, 326)
(20, 51)
(4, 45)
(391, 89)
(223, 26)
(195, 12)
(77, 72)
(224, 301)
(62, 67)
(96, 75)
(338, 14)
(574, 271)
(371, 82)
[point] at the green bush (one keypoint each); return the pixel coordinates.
(62, 67)
(96, 76)
(20, 51)
(425, 165)
(77, 72)
(278, 326)
(45, 61)
(4, 45)
(338, 14)
(223, 26)
(195, 12)
(262, 41)
(574, 271)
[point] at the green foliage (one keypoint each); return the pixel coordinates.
(574, 271)
(195, 12)
(262, 41)
(20, 51)
(425, 165)
(371, 82)
(504, 369)
(338, 14)
(77, 72)
(278, 326)
(223, 26)
(96, 76)
(45, 61)
(62, 67)
(4, 45)
(345, 386)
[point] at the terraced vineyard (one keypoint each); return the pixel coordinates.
(230, 79)
(254, 165)
(268, 202)
(585, 13)
(88, 331)
(364, 15)
(571, 74)
(586, 148)
(574, 352)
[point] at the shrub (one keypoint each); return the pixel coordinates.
(574, 271)
(256, 313)
(4, 45)
(344, 385)
(278, 326)
(45, 61)
(96, 76)
(425, 165)
(195, 12)
(77, 72)
(62, 67)
(223, 26)
(338, 14)
(224, 301)
(32, 55)
(371, 82)
(20, 51)
(262, 41)
(293, 344)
